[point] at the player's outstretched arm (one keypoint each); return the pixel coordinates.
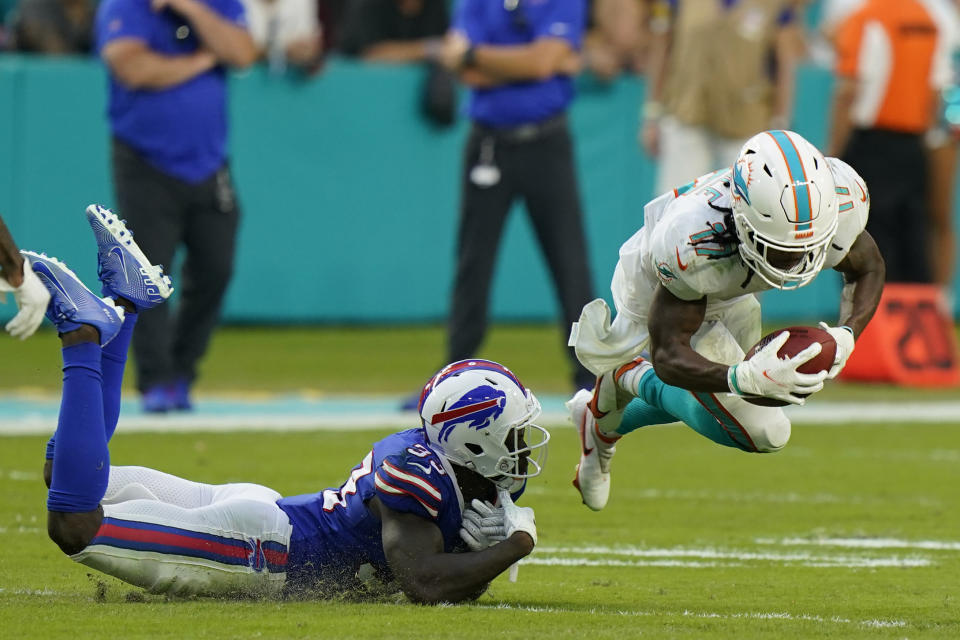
(414, 548)
(864, 273)
(672, 324)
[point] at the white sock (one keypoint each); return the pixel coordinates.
(630, 381)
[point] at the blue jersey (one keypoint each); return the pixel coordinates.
(334, 532)
(181, 130)
(522, 22)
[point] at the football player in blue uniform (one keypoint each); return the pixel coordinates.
(429, 510)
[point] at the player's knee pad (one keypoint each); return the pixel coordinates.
(767, 427)
(772, 435)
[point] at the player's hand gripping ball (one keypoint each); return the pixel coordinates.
(800, 338)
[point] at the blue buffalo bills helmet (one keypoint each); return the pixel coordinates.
(478, 415)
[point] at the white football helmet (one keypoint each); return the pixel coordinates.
(784, 208)
(478, 415)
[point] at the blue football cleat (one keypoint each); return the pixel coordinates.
(123, 268)
(180, 395)
(156, 399)
(71, 303)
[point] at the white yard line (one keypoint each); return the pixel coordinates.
(865, 543)
(709, 557)
(821, 563)
(31, 414)
(751, 615)
(789, 497)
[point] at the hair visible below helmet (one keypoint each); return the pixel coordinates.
(784, 204)
(478, 415)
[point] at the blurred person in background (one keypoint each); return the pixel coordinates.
(719, 71)
(404, 31)
(942, 141)
(617, 38)
(18, 278)
(394, 30)
(518, 58)
(892, 60)
(287, 33)
(52, 26)
(167, 62)
(330, 16)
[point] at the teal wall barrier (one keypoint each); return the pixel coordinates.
(349, 197)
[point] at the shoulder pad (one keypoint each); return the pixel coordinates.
(412, 480)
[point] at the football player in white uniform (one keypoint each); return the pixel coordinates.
(686, 311)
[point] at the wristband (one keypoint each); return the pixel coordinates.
(843, 326)
(732, 380)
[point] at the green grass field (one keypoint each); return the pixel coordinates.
(851, 531)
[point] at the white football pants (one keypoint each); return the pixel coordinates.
(174, 536)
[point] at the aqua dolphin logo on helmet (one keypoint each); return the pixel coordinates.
(477, 408)
(740, 183)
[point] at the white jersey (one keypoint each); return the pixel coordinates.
(684, 244)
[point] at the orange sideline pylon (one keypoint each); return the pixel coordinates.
(910, 341)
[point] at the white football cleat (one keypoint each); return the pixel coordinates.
(597, 415)
(593, 472)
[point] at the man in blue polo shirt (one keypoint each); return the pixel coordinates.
(518, 58)
(167, 61)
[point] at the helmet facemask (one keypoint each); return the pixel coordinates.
(769, 259)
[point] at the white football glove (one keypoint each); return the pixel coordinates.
(32, 299)
(517, 518)
(483, 525)
(843, 336)
(766, 374)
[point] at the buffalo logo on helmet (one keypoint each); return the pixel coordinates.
(479, 407)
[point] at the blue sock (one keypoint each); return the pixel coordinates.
(113, 361)
(660, 403)
(640, 414)
(81, 461)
